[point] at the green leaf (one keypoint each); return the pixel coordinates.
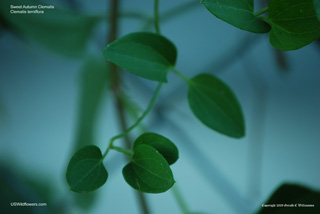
(93, 87)
(215, 105)
(85, 172)
(162, 144)
(58, 29)
(148, 171)
(147, 55)
(317, 8)
(294, 23)
(295, 197)
(239, 13)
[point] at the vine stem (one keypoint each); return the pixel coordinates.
(181, 75)
(156, 16)
(115, 81)
(126, 152)
(180, 200)
(264, 10)
(174, 12)
(145, 113)
(156, 93)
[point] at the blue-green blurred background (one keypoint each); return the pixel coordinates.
(42, 76)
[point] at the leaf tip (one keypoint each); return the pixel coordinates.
(240, 135)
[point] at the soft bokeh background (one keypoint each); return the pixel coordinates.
(40, 103)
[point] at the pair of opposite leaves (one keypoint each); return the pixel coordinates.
(293, 24)
(152, 56)
(148, 170)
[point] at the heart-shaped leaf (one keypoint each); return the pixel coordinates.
(239, 13)
(294, 23)
(162, 144)
(85, 172)
(148, 171)
(94, 80)
(147, 55)
(215, 105)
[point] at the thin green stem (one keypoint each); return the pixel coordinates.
(106, 152)
(181, 75)
(156, 16)
(145, 113)
(180, 200)
(152, 101)
(115, 80)
(174, 12)
(124, 151)
(264, 18)
(264, 10)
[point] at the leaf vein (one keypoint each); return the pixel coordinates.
(289, 8)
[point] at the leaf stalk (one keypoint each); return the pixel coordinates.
(180, 199)
(145, 113)
(264, 10)
(181, 75)
(156, 16)
(124, 151)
